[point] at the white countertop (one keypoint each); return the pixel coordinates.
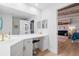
(13, 39)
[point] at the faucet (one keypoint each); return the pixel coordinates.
(2, 39)
(4, 36)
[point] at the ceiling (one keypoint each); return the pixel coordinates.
(40, 6)
(14, 12)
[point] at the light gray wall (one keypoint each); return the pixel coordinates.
(51, 15)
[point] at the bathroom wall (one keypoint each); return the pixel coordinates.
(51, 15)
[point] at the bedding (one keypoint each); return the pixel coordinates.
(75, 36)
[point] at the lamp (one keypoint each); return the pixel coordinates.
(72, 29)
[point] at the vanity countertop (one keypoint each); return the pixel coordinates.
(13, 39)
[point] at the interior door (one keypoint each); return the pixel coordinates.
(24, 27)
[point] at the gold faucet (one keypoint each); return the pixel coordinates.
(4, 36)
(1, 37)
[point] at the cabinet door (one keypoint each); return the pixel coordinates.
(43, 44)
(17, 49)
(28, 51)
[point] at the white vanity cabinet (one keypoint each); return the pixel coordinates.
(17, 49)
(21, 45)
(28, 47)
(43, 43)
(22, 48)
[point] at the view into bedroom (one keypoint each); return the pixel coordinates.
(68, 30)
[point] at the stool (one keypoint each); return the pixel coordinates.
(34, 50)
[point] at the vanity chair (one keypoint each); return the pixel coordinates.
(35, 52)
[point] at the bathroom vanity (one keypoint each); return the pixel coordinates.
(20, 45)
